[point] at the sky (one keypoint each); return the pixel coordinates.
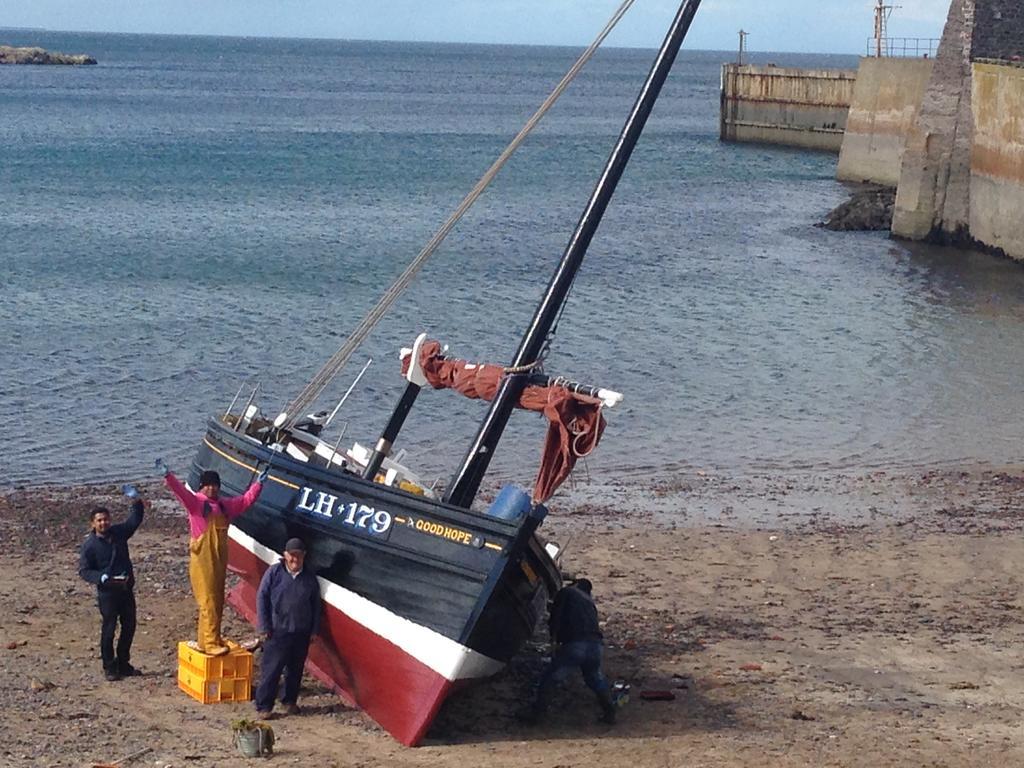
(812, 26)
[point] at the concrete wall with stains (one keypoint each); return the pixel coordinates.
(933, 199)
(886, 100)
(997, 157)
(944, 165)
(778, 105)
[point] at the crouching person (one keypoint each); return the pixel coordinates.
(288, 613)
(578, 644)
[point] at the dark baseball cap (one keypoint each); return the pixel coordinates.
(295, 545)
(209, 477)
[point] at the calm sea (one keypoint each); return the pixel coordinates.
(194, 213)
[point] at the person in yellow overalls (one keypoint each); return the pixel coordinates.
(209, 516)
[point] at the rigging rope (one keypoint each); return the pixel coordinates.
(337, 361)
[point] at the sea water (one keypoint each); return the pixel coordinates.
(198, 213)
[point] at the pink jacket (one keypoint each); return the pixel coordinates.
(195, 503)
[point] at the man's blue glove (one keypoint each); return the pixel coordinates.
(130, 490)
(161, 467)
(262, 476)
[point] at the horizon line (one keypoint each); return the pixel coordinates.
(414, 42)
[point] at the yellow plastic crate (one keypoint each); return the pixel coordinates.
(213, 679)
(237, 663)
(213, 691)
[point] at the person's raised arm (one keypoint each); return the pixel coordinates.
(185, 496)
(236, 505)
(129, 526)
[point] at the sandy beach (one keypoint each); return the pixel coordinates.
(820, 619)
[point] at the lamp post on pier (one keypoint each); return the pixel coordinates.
(882, 14)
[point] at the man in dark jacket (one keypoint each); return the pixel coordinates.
(578, 643)
(288, 612)
(104, 561)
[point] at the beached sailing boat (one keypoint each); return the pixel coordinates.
(422, 594)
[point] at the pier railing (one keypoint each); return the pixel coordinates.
(903, 47)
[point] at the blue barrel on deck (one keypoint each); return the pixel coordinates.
(511, 503)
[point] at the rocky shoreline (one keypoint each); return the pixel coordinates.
(11, 55)
(869, 208)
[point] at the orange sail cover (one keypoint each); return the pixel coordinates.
(575, 422)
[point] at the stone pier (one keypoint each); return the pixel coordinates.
(961, 165)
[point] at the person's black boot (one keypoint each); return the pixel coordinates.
(127, 670)
(608, 708)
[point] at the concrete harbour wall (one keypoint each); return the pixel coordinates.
(778, 105)
(933, 196)
(945, 164)
(948, 132)
(997, 157)
(886, 99)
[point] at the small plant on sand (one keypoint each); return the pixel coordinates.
(253, 739)
(244, 724)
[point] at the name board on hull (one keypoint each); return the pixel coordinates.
(351, 514)
(444, 531)
(376, 522)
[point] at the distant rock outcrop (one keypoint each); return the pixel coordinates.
(868, 208)
(9, 55)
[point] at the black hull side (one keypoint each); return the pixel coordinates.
(474, 579)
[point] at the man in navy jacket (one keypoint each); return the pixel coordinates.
(104, 560)
(288, 612)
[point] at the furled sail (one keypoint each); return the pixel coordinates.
(575, 421)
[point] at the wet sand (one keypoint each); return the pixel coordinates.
(801, 619)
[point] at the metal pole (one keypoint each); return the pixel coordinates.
(334, 451)
(467, 480)
(347, 393)
(878, 29)
(233, 401)
(245, 410)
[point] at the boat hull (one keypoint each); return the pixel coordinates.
(423, 598)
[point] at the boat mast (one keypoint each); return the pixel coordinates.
(462, 490)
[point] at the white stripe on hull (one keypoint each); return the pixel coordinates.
(446, 657)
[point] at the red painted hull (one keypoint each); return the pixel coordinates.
(397, 690)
